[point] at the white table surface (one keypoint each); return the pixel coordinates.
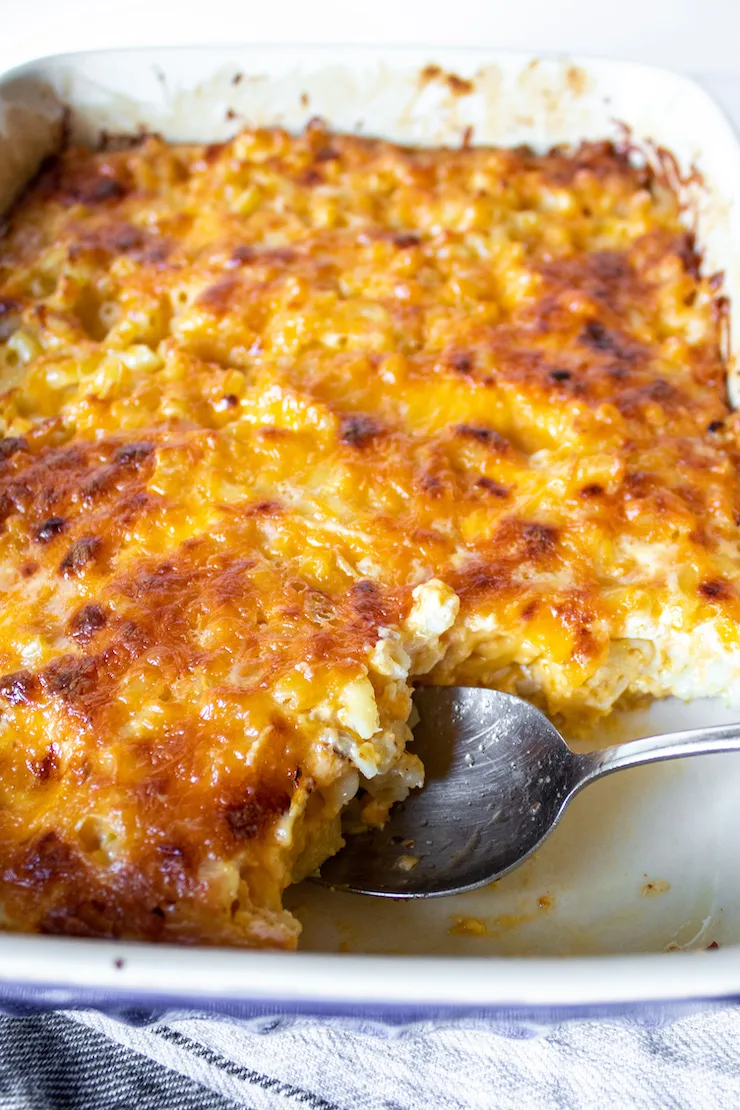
(697, 36)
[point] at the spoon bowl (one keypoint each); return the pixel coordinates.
(498, 778)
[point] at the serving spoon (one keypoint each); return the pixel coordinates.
(498, 778)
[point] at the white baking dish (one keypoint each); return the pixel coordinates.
(643, 862)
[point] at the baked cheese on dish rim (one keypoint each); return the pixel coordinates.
(291, 423)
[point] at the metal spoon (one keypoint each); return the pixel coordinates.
(498, 777)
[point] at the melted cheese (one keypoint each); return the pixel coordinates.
(289, 422)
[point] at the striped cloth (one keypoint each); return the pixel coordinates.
(85, 1061)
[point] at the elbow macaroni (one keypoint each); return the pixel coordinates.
(287, 422)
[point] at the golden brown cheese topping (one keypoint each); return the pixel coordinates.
(273, 410)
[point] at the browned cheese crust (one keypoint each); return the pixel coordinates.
(255, 395)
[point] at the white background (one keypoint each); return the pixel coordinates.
(697, 36)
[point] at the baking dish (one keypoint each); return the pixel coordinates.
(642, 863)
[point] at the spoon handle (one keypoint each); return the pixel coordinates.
(652, 749)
